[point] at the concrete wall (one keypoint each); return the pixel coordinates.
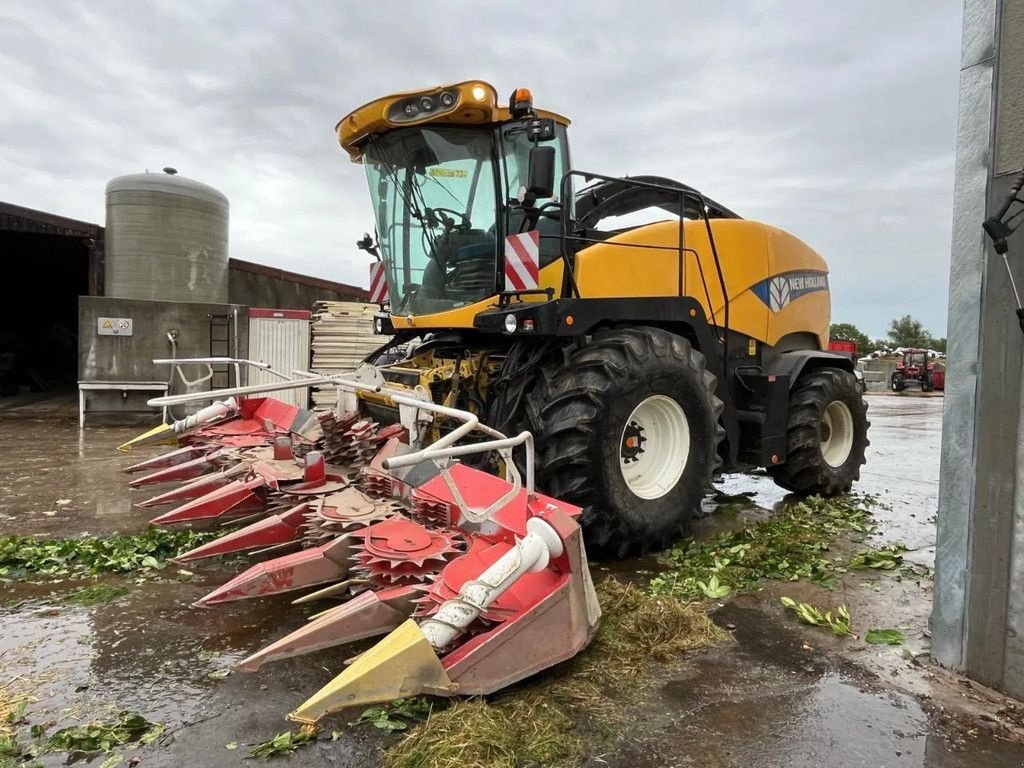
(258, 286)
(129, 358)
(978, 611)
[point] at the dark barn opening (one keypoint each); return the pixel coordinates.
(52, 261)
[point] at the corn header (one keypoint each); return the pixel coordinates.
(476, 580)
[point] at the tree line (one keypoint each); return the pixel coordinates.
(903, 332)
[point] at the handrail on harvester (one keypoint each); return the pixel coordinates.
(366, 378)
(209, 362)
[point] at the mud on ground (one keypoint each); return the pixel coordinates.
(781, 695)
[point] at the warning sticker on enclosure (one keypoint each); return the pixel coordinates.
(114, 326)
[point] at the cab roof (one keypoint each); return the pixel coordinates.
(473, 102)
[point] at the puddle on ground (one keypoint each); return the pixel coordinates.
(151, 653)
(769, 701)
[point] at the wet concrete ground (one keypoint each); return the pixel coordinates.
(781, 695)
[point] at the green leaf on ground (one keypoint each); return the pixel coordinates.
(884, 637)
(396, 715)
(885, 559)
(283, 743)
(839, 623)
(99, 736)
(231, 745)
(713, 588)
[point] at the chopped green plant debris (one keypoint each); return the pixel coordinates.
(909, 571)
(284, 743)
(793, 544)
(17, 714)
(396, 715)
(231, 745)
(96, 594)
(885, 559)
(808, 614)
(92, 555)
(884, 637)
(98, 736)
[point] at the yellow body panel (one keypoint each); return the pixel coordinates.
(749, 252)
(373, 117)
(548, 277)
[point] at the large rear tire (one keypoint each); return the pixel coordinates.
(627, 427)
(827, 434)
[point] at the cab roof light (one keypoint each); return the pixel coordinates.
(521, 103)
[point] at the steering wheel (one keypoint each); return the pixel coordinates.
(448, 221)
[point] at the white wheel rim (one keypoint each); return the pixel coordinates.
(836, 433)
(654, 447)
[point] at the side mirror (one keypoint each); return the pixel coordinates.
(541, 175)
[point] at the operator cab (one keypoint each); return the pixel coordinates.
(445, 195)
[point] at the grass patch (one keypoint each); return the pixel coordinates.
(794, 544)
(544, 722)
(94, 555)
(476, 734)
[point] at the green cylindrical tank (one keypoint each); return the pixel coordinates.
(166, 239)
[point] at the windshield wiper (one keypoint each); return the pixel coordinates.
(408, 199)
(442, 186)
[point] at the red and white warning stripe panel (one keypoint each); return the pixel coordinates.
(378, 283)
(522, 261)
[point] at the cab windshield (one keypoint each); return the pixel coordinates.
(434, 191)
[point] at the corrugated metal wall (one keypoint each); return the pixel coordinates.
(280, 338)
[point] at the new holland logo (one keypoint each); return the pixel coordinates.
(779, 291)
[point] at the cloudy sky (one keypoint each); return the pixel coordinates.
(835, 121)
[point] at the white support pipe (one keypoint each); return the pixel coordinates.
(439, 451)
(530, 554)
(236, 361)
(216, 410)
(251, 389)
(432, 453)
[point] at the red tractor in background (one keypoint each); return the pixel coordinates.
(915, 369)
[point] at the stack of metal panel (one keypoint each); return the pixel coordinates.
(342, 336)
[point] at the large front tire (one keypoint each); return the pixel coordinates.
(827, 434)
(627, 428)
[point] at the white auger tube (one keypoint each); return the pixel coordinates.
(217, 410)
(529, 555)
